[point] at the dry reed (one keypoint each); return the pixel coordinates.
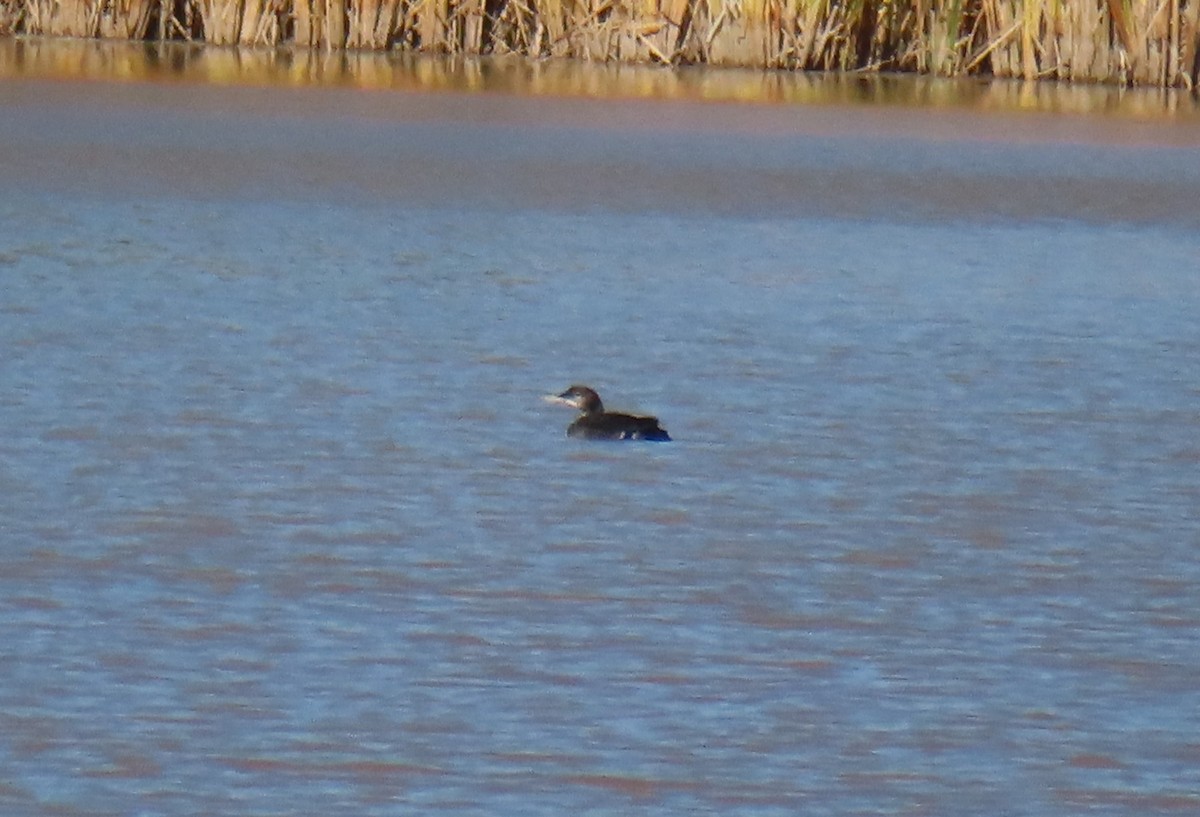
(1144, 42)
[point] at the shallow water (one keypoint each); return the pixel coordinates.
(287, 529)
(399, 69)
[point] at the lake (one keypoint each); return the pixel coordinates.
(286, 527)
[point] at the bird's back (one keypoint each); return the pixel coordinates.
(615, 426)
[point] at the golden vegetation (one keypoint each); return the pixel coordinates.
(1144, 42)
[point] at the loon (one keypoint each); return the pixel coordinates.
(594, 423)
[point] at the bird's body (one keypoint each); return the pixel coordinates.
(594, 423)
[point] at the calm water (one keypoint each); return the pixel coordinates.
(287, 530)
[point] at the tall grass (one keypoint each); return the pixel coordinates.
(1145, 42)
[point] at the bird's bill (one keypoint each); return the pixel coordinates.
(564, 399)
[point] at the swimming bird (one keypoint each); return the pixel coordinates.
(594, 423)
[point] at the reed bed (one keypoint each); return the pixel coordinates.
(1142, 42)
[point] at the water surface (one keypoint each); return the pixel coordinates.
(286, 528)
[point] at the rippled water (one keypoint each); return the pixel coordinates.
(287, 529)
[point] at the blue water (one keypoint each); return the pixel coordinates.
(286, 528)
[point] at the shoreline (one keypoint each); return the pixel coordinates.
(1126, 44)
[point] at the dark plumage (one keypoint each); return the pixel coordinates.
(594, 423)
